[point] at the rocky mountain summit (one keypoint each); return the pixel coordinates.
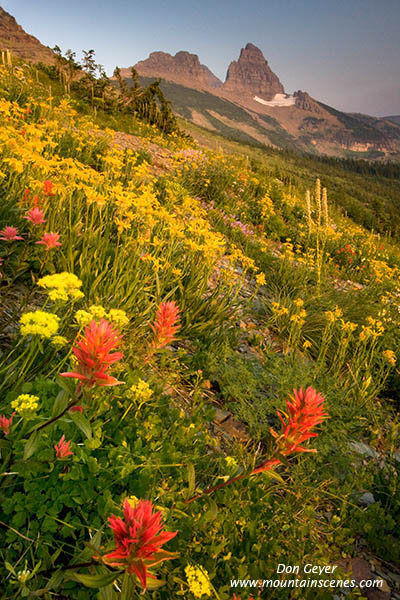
(305, 102)
(183, 68)
(252, 74)
(20, 43)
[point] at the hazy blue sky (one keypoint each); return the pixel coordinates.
(345, 53)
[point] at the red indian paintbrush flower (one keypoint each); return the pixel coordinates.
(35, 215)
(305, 411)
(10, 234)
(62, 448)
(93, 352)
(266, 466)
(138, 539)
(5, 423)
(166, 324)
(50, 240)
(48, 188)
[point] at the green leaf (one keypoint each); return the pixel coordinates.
(9, 567)
(212, 512)
(274, 475)
(154, 584)
(66, 385)
(191, 478)
(82, 423)
(96, 581)
(60, 403)
(128, 586)
(31, 445)
(108, 593)
(5, 443)
(55, 581)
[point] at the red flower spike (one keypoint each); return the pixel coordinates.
(35, 215)
(5, 423)
(76, 409)
(166, 324)
(138, 539)
(50, 240)
(48, 188)
(10, 234)
(62, 448)
(266, 466)
(305, 411)
(93, 351)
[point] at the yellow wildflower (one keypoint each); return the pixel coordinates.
(39, 323)
(334, 315)
(118, 317)
(141, 391)
(25, 405)
(198, 581)
(298, 302)
(260, 279)
(348, 326)
(133, 501)
(97, 311)
(390, 356)
(62, 286)
(59, 341)
(83, 318)
(307, 345)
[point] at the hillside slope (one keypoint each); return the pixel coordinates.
(14, 39)
(276, 118)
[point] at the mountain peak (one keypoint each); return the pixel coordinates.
(252, 74)
(183, 68)
(20, 43)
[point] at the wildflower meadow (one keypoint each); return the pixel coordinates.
(198, 364)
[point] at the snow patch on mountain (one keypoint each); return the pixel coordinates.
(278, 100)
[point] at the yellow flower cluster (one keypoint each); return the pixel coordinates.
(25, 405)
(260, 279)
(231, 462)
(390, 356)
(118, 316)
(198, 581)
(59, 341)
(267, 207)
(83, 318)
(97, 312)
(62, 286)
(348, 326)
(278, 309)
(333, 315)
(374, 329)
(141, 391)
(39, 323)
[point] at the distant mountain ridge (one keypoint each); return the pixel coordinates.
(20, 43)
(263, 111)
(183, 68)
